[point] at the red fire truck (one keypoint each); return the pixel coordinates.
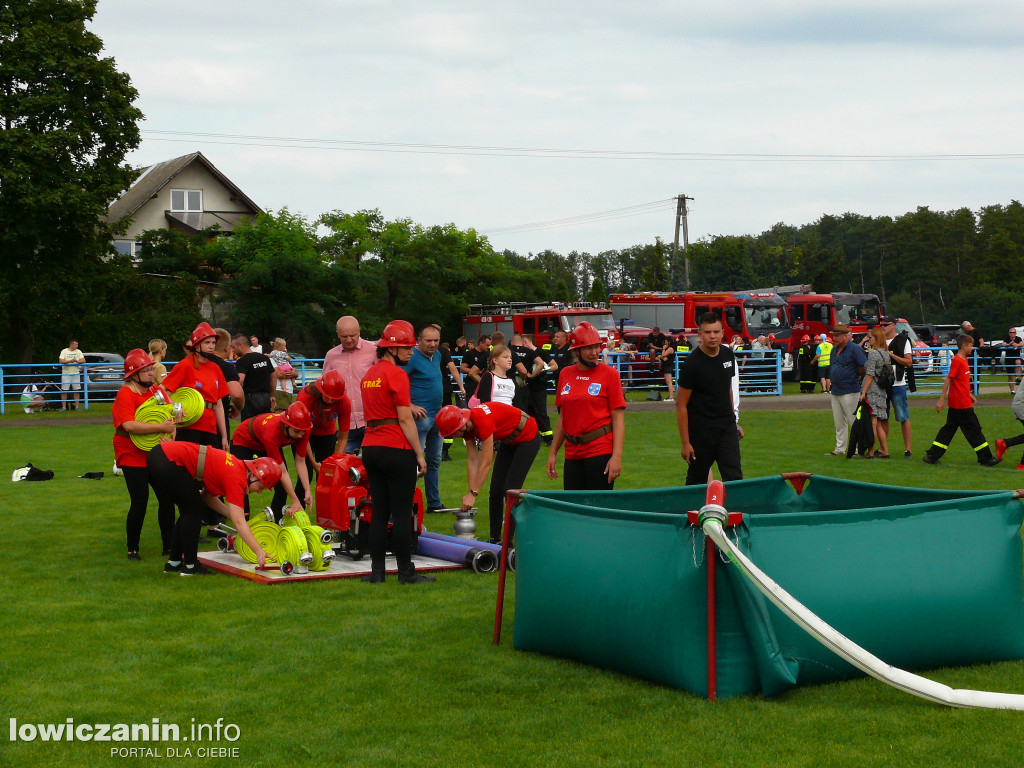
(540, 319)
(747, 314)
(813, 313)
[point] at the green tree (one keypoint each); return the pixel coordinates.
(597, 292)
(279, 284)
(67, 121)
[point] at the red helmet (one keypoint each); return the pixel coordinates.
(585, 335)
(264, 469)
(331, 385)
(771, 337)
(805, 338)
(450, 420)
(202, 332)
(297, 417)
(398, 333)
(135, 361)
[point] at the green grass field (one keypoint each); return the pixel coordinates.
(343, 674)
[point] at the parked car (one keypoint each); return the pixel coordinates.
(309, 370)
(937, 335)
(105, 371)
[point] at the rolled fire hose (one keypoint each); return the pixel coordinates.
(480, 560)
(151, 412)
(300, 519)
(266, 534)
(711, 518)
(291, 547)
(471, 543)
(192, 405)
(322, 551)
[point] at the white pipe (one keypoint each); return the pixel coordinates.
(846, 648)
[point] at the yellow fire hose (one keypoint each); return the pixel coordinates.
(151, 412)
(192, 405)
(318, 541)
(266, 534)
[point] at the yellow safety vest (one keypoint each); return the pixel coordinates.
(825, 353)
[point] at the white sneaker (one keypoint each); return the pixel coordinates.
(669, 400)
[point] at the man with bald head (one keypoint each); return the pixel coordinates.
(352, 358)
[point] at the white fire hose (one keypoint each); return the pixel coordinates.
(711, 520)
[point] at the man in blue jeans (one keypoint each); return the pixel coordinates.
(901, 355)
(426, 390)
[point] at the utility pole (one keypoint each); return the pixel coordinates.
(681, 220)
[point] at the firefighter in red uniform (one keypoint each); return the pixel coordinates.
(266, 435)
(518, 443)
(195, 371)
(330, 408)
(195, 476)
(392, 454)
(139, 375)
(592, 421)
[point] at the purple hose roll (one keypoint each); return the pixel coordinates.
(495, 548)
(480, 560)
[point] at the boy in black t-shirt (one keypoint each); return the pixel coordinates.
(705, 411)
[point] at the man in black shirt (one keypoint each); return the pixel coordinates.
(540, 363)
(705, 411)
(474, 362)
(256, 373)
(560, 351)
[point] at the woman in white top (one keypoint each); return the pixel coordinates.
(495, 384)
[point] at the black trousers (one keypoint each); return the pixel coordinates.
(138, 482)
(586, 474)
(511, 466)
(391, 473)
(320, 446)
(277, 504)
(186, 493)
(714, 444)
(199, 437)
(537, 406)
(966, 420)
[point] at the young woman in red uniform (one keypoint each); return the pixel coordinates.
(592, 420)
(266, 435)
(330, 408)
(195, 476)
(139, 375)
(518, 443)
(392, 454)
(195, 371)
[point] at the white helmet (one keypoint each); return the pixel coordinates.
(19, 474)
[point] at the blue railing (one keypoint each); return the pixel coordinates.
(98, 383)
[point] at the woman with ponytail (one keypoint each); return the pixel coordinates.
(195, 371)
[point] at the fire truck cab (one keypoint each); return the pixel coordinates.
(747, 314)
(542, 319)
(816, 313)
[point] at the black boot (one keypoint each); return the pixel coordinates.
(407, 575)
(375, 576)
(444, 453)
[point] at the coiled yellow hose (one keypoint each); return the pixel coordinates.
(321, 550)
(151, 412)
(291, 546)
(192, 405)
(300, 520)
(266, 534)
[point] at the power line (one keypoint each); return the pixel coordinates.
(345, 145)
(586, 218)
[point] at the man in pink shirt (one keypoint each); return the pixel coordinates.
(352, 359)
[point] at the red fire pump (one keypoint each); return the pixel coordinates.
(343, 504)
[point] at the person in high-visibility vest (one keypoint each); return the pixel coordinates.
(823, 359)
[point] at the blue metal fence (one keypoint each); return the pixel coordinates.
(97, 382)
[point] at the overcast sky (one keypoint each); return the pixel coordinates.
(655, 92)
